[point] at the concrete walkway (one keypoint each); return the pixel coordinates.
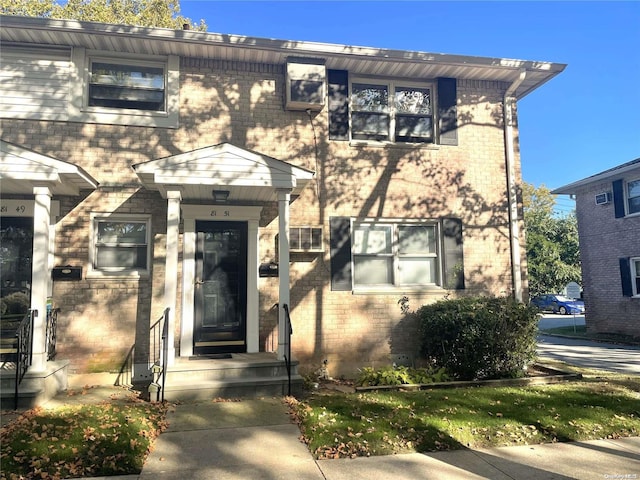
(255, 439)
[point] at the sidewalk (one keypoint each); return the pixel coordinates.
(255, 439)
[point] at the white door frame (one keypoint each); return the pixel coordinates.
(226, 213)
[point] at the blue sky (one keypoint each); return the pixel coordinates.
(584, 121)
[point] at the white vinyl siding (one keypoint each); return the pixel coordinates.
(41, 83)
(34, 83)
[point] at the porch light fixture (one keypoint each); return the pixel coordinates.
(220, 195)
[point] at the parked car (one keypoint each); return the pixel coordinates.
(558, 304)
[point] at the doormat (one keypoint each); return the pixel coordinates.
(211, 356)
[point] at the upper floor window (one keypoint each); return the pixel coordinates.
(633, 197)
(139, 86)
(391, 112)
(120, 244)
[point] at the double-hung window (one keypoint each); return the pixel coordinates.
(130, 86)
(395, 254)
(393, 112)
(121, 244)
(635, 275)
(633, 197)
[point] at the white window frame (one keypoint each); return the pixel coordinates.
(628, 197)
(396, 255)
(93, 270)
(391, 110)
(119, 62)
(81, 111)
(634, 265)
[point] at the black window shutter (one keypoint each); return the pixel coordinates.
(453, 253)
(338, 104)
(340, 244)
(447, 111)
(625, 276)
(618, 198)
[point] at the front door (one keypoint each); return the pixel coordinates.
(221, 287)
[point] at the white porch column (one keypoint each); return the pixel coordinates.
(174, 198)
(284, 196)
(40, 273)
(253, 322)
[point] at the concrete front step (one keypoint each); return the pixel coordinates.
(233, 388)
(242, 375)
(36, 388)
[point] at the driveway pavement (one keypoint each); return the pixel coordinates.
(585, 353)
(554, 320)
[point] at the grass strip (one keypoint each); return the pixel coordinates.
(382, 423)
(80, 440)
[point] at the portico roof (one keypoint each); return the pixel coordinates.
(247, 175)
(22, 169)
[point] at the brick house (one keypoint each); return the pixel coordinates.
(608, 213)
(226, 177)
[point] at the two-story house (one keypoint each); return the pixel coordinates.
(608, 213)
(239, 182)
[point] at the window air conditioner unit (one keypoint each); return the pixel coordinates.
(603, 198)
(305, 239)
(305, 87)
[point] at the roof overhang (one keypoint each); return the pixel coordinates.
(612, 174)
(357, 60)
(247, 176)
(21, 170)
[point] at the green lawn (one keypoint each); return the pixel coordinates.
(111, 438)
(380, 423)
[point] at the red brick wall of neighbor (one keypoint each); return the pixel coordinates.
(604, 239)
(242, 104)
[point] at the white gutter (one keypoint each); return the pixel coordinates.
(514, 230)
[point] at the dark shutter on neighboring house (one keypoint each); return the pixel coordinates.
(447, 111)
(618, 198)
(338, 104)
(340, 244)
(453, 253)
(625, 276)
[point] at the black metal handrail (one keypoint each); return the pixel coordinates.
(24, 354)
(52, 333)
(287, 345)
(159, 351)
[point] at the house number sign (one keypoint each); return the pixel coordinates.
(221, 213)
(16, 208)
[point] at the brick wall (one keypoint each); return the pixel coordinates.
(605, 239)
(243, 104)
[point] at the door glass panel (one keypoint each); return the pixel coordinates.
(220, 295)
(16, 251)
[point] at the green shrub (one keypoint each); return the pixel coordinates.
(478, 337)
(399, 375)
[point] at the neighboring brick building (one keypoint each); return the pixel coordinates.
(366, 174)
(608, 212)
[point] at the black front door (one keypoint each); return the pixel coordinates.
(221, 287)
(16, 252)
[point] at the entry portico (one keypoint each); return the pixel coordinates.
(35, 179)
(210, 188)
